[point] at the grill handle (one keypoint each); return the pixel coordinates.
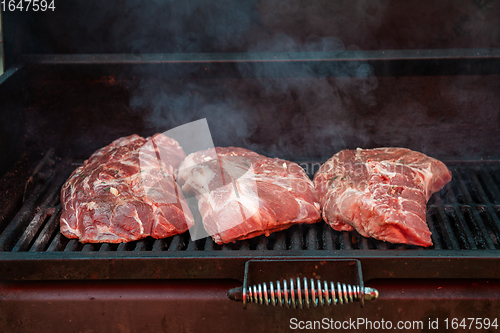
(303, 283)
(299, 293)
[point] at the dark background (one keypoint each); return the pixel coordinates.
(303, 111)
(195, 26)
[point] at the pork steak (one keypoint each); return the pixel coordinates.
(242, 194)
(126, 191)
(381, 193)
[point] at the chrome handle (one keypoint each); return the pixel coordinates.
(294, 294)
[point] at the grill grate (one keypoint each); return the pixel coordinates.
(463, 215)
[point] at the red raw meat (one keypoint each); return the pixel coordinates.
(243, 194)
(382, 193)
(126, 191)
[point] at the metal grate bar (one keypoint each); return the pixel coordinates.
(449, 230)
(312, 238)
(434, 235)
(454, 213)
(71, 246)
(475, 218)
(30, 233)
(462, 183)
(105, 247)
(88, 248)
(192, 245)
(463, 194)
(479, 188)
(21, 219)
(363, 244)
(45, 210)
(494, 172)
(490, 185)
(209, 244)
(471, 187)
(280, 241)
(262, 242)
(483, 228)
(55, 245)
(345, 241)
(488, 217)
(40, 186)
(176, 243)
(328, 243)
(48, 231)
(480, 235)
(122, 247)
(295, 238)
(140, 245)
(159, 245)
(495, 220)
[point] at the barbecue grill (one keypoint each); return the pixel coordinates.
(434, 91)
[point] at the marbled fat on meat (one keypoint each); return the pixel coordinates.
(126, 191)
(381, 193)
(242, 194)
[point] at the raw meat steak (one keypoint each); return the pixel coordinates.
(382, 193)
(243, 194)
(126, 191)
